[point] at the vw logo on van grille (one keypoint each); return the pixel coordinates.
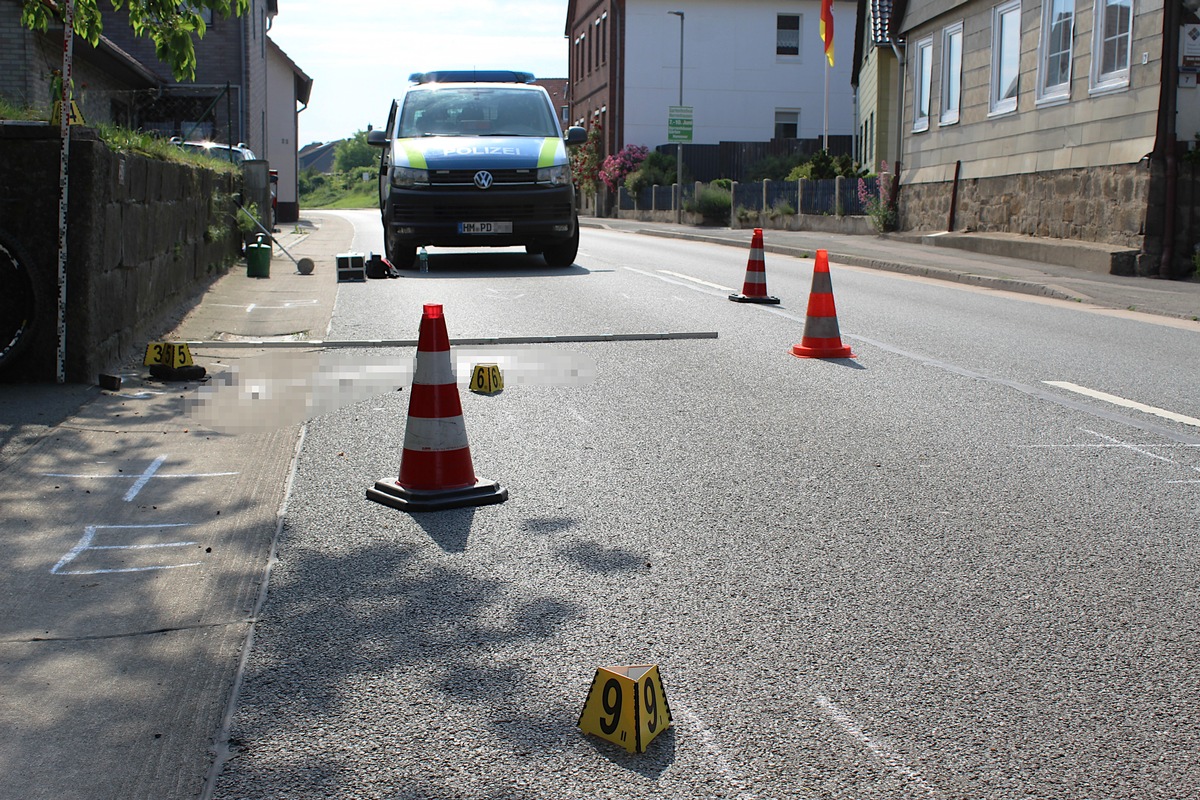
(483, 179)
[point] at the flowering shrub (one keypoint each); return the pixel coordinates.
(585, 160)
(616, 167)
(880, 208)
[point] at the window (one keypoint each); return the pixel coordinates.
(924, 84)
(596, 36)
(1006, 56)
(787, 35)
(589, 54)
(952, 53)
(604, 38)
(1111, 44)
(1054, 56)
(787, 124)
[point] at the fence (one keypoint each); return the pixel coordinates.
(827, 196)
(734, 160)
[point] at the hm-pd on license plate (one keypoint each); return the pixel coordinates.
(485, 227)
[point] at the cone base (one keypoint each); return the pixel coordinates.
(746, 298)
(801, 351)
(389, 493)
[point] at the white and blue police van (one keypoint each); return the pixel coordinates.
(476, 159)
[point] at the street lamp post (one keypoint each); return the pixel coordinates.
(679, 145)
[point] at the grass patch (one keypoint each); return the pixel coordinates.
(338, 190)
(8, 111)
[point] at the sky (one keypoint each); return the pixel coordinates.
(360, 53)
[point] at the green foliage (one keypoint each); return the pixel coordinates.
(782, 208)
(337, 190)
(9, 111)
(172, 25)
(354, 153)
(657, 169)
(821, 166)
(245, 224)
(723, 183)
(124, 140)
(712, 202)
(774, 168)
(800, 171)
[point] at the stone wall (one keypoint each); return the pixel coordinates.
(1105, 205)
(1120, 205)
(143, 236)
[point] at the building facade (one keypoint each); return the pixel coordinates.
(752, 71)
(1059, 118)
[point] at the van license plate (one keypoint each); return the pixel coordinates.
(485, 227)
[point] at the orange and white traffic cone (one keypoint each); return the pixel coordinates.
(435, 469)
(754, 287)
(822, 338)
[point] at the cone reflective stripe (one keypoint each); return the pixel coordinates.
(754, 286)
(822, 338)
(435, 469)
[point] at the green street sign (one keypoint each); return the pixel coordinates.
(679, 124)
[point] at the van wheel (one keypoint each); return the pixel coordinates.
(563, 254)
(398, 255)
(22, 308)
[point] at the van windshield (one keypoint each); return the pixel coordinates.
(461, 111)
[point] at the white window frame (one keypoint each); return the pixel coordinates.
(952, 56)
(996, 103)
(922, 85)
(793, 114)
(799, 37)
(1059, 92)
(1115, 79)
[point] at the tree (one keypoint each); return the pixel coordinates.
(354, 153)
(173, 25)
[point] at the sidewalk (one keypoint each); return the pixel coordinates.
(898, 253)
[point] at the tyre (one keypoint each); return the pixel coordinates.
(563, 254)
(400, 256)
(22, 306)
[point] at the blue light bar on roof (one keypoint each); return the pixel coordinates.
(472, 76)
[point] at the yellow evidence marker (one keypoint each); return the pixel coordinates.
(486, 379)
(170, 355)
(627, 706)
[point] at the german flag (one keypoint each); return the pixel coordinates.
(827, 29)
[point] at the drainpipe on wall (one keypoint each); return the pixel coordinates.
(900, 116)
(1166, 134)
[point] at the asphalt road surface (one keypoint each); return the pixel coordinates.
(954, 566)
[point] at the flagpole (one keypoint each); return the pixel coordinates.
(825, 145)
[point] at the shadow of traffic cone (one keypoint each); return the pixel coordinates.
(435, 469)
(754, 287)
(822, 339)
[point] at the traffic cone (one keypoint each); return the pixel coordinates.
(754, 287)
(822, 339)
(435, 469)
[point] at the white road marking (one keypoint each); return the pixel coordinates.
(1124, 403)
(1127, 446)
(140, 481)
(696, 280)
(89, 535)
(716, 757)
(144, 479)
(876, 748)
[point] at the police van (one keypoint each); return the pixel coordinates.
(476, 159)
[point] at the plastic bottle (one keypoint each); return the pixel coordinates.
(424, 260)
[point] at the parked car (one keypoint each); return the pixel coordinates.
(236, 154)
(476, 159)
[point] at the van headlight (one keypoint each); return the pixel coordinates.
(409, 176)
(555, 176)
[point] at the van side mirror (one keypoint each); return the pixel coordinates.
(377, 138)
(576, 135)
